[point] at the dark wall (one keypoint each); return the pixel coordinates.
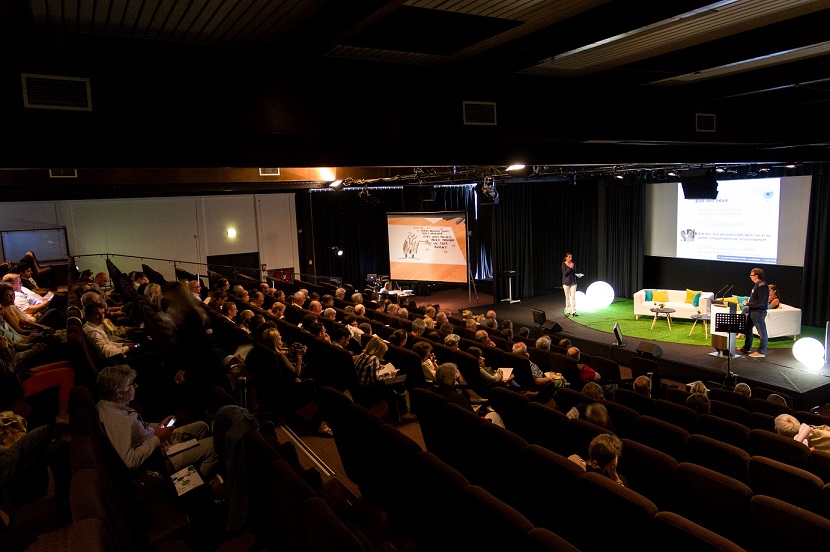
(669, 273)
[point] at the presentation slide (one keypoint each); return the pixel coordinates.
(755, 221)
(741, 225)
(428, 247)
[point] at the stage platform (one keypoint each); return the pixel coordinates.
(779, 371)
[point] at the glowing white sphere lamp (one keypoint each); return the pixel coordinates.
(600, 295)
(810, 352)
(582, 302)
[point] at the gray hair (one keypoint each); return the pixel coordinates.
(419, 326)
(543, 343)
(446, 373)
(452, 340)
(113, 379)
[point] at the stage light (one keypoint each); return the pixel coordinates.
(600, 295)
(337, 184)
(810, 352)
(515, 167)
(337, 251)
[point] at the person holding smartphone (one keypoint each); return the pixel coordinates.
(135, 440)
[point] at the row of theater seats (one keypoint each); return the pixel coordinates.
(433, 504)
(777, 507)
(676, 430)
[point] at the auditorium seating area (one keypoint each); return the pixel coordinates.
(700, 481)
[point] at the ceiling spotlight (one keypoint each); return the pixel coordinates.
(764, 169)
(337, 251)
(515, 167)
(790, 166)
(336, 184)
(671, 173)
(618, 176)
(719, 170)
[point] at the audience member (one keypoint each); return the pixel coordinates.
(743, 389)
(642, 385)
(775, 398)
(445, 377)
(97, 337)
(699, 402)
(36, 308)
(586, 373)
(134, 440)
(698, 387)
(483, 338)
(428, 363)
(196, 289)
(507, 329)
(278, 309)
(545, 385)
(40, 378)
(815, 437)
(544, 343)
(603, 456)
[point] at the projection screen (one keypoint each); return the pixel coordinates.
(428, 247)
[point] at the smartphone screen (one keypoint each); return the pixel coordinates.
(171, 422)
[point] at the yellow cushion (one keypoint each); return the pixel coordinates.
(690, 295)
(660, 296)
(733, 299)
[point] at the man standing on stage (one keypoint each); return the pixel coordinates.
(756, 314)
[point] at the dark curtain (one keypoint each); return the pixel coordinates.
(344, 220)
(625, 236)
(536, 223)
(815, 289)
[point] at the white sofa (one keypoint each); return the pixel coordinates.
(783, 321)
(677, 301)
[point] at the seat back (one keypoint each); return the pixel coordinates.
(687, 536)
(662, 436)
(643, 405)
(729, 396)
(719, 456)
(778, 447)
(778, 525)
(730, 412)
(723, 430)
(784, 482)
(648, 471)
(713, 500)
(677, 414)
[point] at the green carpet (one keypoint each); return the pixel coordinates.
(622, 311)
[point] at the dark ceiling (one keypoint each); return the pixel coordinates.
(573, 85)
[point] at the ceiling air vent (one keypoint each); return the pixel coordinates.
(51, 92)
(63, 173)
(479, 113)
(704, 122)
(269, 172)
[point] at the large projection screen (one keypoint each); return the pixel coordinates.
(758, 221)
(428, 247)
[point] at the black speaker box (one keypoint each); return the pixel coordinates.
(651, 349)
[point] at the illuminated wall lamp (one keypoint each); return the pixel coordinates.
(231, 232)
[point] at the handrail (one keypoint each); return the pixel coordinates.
(235, 270)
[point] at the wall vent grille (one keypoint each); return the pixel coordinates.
(63, 173)
(53, 92)
(479, 113)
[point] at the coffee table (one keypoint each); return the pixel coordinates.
(657, 312)
(705, 318)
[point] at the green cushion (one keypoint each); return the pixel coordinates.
(648, 295)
